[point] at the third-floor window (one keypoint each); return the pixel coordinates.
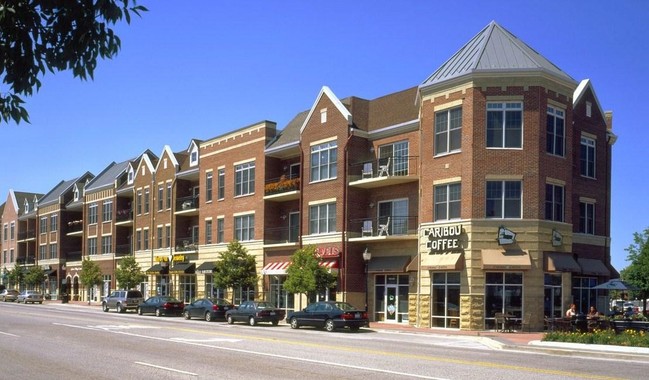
(504, 199)
(505, 125)
(208, 187)
(107, 214)
(587, 157)
(324, 161)
(555, 131)
(448, 131)
(92, 214)
(244, 179)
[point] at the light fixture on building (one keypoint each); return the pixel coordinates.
(283, 217)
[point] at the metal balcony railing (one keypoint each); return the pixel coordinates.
(384, 226)
(397, 166)
(186, 203)
(281, 235)
(281, 185)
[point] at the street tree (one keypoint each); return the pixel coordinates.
(128, 274)
(16, 276)
(35, 276)
(305, 275)
(90, 275)
(40, 35)
(236, 269)
(637, 273)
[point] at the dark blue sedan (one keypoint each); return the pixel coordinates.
(161, 305)
(329, 315)
(208, 309)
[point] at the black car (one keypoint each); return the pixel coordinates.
(254, 312)
(161, 305)
(208, 308)
(330, 315)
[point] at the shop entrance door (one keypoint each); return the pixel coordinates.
(391, 303)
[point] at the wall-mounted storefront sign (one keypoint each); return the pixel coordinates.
(444, 239)
(324, 252)
(506, 236)
(176, 259)
(557, 238)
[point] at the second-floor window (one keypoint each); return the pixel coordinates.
(322, 218)
(555, 131)
(244, 227)
(587, 157)
(208, 187)
(167, 236)
(106, 244)
(12, 231)
(504, 199)
(220, 230)
(138, 202)
(208, 231)
(107, 214)
(42, 252)
(43, 225)
(53, 251)
(324, 161)
(448, 201)
(394, 213)
(92, 246)
(505, 125)
(147, 199)
(54, 222)
(145, 239)
(587, 218)
(159, 237)
(161, 199)
(168, 196)
(92, 214)
(5, 232)
(554, 202)
(448, 131)
(138, 240)
(244, 179)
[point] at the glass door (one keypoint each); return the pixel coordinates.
(391, 303)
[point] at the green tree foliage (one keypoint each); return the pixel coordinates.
(305, 275)
(128, 274)
(40, 35)
(637, 273)
(35, 276)
(236, 268)
(16, 276)
(90, 275)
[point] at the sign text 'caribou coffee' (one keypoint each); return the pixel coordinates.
(444, 239)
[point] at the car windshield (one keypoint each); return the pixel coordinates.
(344, 306)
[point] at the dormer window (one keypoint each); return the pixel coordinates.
(76, 193)
(193, 155)
(589, 109)
(323, 115)
(26, 207)
(131, 174)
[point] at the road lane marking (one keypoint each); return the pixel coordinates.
(8, 334)
(167, 369)
(229, 340)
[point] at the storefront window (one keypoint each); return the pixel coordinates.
(446, 299)
(187, 288)
(391, 298)
(552, 307)
(503, 294)
(582, 294)
(210, 290)
(162, 285)
(280, 297)
(243, 294)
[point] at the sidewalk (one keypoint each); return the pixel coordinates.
(529, 341)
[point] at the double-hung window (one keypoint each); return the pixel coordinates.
(448, 131)
(244, 227)
(587, 157)
(146, 201)
(554, 202)
(555, 132)
(208, 187)
(244, 179)
(159, 237)
(220, 230)
(168, 196)
(505, 125)
(107, 212)
(322, 218)
(448, 201)
(106, 244)
(161, 199)
(221, 184)
(54, 222)
(54, 249)
(92, 214)
(43, 225)
(138, 202)
(504, 199)
(324, 161)
(208, 231)
(92, 246)
(587, 218)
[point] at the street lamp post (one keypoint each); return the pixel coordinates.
(367, 256)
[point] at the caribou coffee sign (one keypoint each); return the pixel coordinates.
(444, 239)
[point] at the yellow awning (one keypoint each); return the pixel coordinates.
(447, 261)
(560, 262)
(501, 259)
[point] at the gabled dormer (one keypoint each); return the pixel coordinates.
(35, 201)
(193, 154)
(145, 166)
(322, 113)
(26, 206)
(167, 159)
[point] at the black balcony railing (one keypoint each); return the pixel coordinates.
(186, 203)
(123, 250)
(124, 215)
(281, 185)
(29, 234)
(73, 256)
(384, 226)
(397, 166)
(187, 243)
(281, 235)
(75, 226)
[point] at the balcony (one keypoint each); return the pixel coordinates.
(26, 235)
(75, 228)
(187, 205)
(187, 244)
(281, 237)
(282, 189)
(383, 172)
(122, 250)
(124, 217)
(73, 256)
(384, 228)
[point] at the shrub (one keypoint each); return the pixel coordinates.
(630, 338)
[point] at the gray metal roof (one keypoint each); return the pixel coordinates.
(54, 195)
(107, 176)
(494, 49)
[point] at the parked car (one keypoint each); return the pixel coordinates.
(9, 295)
(208, 308)
(330, 315)
(30, 296)
(122, 300)
(161, 305)
(254, 312)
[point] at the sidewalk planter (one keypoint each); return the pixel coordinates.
(623, 325)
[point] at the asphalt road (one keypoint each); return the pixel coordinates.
(56, 341)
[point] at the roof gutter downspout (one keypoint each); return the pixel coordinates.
(343, 278)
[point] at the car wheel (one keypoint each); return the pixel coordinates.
(119, 308)
(252, 321)
(294, 323)
(187, 316)
(105, 307)
(208, 316)
(139, 311)
(158, 313)
(230, 320)
(275, 322)
(329, 325)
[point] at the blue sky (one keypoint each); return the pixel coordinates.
(202, 68)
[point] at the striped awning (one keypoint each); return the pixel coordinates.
(280, 267)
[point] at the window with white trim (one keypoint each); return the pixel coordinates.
(208, 231)
(92, 213)
(208, 186)
(92, 246)
(587, 157)
(221, 184)
(587, 218)
(147, 199)
(554, 202)
(42, 252)
(107, 211)
(145, 239)
(138, 202)
(54, 222)
(106, 244)
(159, 237)
(322, 218)
(54, 249)
(448, 201)
(220, 230)
(161, 199)
(324, 161)
(244, 179)
(448, 131)
(168, 196)
(244, 227)
(555, 131)
(43, 225)
(505, 125)
(504, 199)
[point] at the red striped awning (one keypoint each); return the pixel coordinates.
(279, 267)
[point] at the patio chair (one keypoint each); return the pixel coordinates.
(503, 324)
(367, 229)
(385, 169)
(383, 228)
(368, 170)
